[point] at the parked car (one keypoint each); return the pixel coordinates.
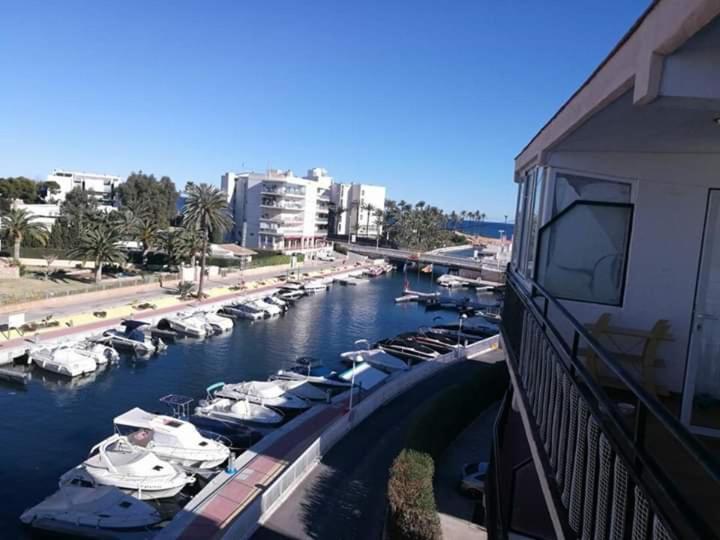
(474, 476)
(326, 257)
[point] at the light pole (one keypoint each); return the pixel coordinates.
(356, 359)
(462, 317)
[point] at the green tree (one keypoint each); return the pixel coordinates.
(19, 224)
(206, 209)
(379, 222)
(336, 211)
(20, 188)
(369, 209)
(159, 196)
(100, 244)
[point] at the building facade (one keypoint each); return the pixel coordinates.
(102, 186)
(611, 425)
(356, 208)
(279, 211)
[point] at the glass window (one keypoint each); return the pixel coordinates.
(533, 222)
(570, 188)
(582, 253)
(519, 221)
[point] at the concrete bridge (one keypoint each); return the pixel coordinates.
(402, 255)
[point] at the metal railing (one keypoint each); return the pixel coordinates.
(607, 477)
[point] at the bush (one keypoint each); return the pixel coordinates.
(442, 419)
(34, 252)
(413, 514)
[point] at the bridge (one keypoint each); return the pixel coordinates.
(403, 255)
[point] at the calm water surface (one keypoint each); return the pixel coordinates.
(50, 426)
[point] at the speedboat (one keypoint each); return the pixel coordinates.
(171, 439)
(316, 285)
(267, 393)
(244, 311)
(242, 412)
(275, 301)
(427, 341)
(291, 296)
(302, 389)
(479, 331)
(132, 338)
(313, 371)
(218, 322)
(377, 358)
(239, 412)
(451, 281)
(292, 286)
(102, 354)
(117, 462)
(76, 507)
(406, 351)
(63, 360)
(270, 309)
(189, 325)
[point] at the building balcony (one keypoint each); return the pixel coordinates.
(281, 193)
(276, 205)
(281, 220)
(606, 462)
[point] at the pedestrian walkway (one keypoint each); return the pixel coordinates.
(344, 496)
(456, 510)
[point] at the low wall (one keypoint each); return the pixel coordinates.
(261, 508)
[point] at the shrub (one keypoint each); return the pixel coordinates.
(413, 515)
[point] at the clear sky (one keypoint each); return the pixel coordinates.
(432, 99)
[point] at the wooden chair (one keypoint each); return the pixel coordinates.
(621, 342)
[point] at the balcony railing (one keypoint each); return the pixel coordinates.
(604, 475)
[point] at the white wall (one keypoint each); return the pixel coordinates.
(670, 196)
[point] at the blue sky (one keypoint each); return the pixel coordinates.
(432, 99)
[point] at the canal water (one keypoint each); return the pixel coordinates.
(50, 425)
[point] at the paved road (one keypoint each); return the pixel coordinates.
(344, 496)
(76, 303)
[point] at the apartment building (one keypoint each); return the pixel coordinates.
(277, 210)
(611, 426)
(355, 209)
(102, 186)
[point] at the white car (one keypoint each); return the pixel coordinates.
(326, 257)
(474, 476)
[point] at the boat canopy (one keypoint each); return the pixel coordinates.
(131, 324)
(136, 418)
(366, 376)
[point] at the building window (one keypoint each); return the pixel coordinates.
(583, 251)
(519, 221)
(570, 188)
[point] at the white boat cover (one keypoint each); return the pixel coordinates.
(366, 376)
(377, 358)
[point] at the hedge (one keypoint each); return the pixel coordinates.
(441, 420)
(413, 514)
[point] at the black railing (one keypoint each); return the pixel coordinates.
(607, 473)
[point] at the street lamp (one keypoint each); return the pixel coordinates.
(356, 359)
(461, 318)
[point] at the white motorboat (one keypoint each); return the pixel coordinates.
(241, 412)
(302, 389)
(132, 338)
(218, 322)
(189, 325)
(267, 393)
(318, 380)
(377, 358)
(171, 439)
(244, 311)
(102, 354)
(75, 507)
(450, 281)
(364, 376)
(117, 462)
(292, 286)
(63, 360)
(316, 285)
(270, 309)
(275, 301)
(291, 296)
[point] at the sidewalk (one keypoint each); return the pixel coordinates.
(456, 510)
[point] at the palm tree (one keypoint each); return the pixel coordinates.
(379, 221)
(355, 205)
(206, 208)
(100, 244)
(337, 210)
(19, 224)
(369, 209)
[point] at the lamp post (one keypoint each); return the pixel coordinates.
(356, 359)
(461, 319)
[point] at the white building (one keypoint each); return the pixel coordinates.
(610, 427)
(277, 210)
(356, 206)
(102, 186)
